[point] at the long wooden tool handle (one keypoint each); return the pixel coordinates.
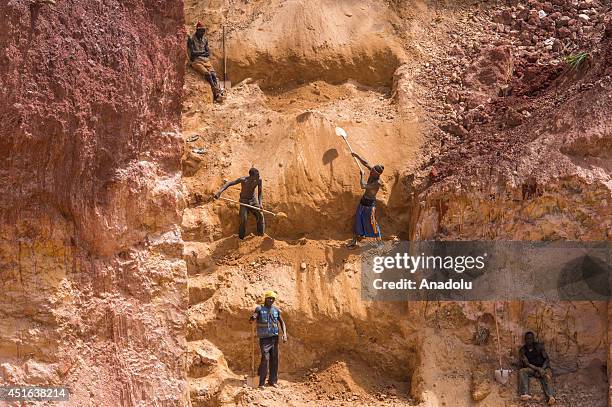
(351, 149)
(224, 58)
(347, 143)
(498, 338)
(247, 205)
(252, 349)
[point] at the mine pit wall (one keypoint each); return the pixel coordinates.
(92, 282)
(373, 69)
(501, 208)
(319, 203)
(576, 333)
(340, 43)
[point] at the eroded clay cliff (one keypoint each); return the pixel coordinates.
(92, 280)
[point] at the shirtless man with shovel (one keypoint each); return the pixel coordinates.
(365, 224)
(248, 201)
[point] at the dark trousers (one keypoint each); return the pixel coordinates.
(526, 373)
(261, 223)
(269, 355)
(212, 80)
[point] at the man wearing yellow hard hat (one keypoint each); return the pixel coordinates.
(269, 320)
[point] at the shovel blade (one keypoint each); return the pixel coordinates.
(502, 375)
(340, 132)
(252, 381)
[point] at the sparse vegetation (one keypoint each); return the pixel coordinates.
(575, 60)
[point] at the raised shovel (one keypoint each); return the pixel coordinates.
(342, 133)
(252, 379)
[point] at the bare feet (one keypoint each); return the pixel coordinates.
(551, 401)
(525, 397)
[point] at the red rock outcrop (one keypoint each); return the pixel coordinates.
(92, 284)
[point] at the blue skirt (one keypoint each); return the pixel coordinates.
(365, 222)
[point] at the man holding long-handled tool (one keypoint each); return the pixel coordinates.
(269, 325)
(248, 201)
(365, 218)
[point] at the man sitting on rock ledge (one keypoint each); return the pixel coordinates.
(535, 363)
(199, 55)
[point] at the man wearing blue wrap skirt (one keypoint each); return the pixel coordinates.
(365, 217)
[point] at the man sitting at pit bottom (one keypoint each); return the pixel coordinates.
(535, 363)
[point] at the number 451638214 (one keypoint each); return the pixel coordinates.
(36, 393)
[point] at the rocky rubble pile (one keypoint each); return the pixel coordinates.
(336, 385)
(508, 50)
(503, 66)
(549, 27)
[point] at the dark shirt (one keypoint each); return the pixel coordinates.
(535, 356)
(198, 47)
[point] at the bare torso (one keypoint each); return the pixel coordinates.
(247, 189)
(371, 188)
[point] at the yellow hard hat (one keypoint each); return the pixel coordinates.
(270, 294)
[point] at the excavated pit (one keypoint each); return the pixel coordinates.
(348, 348)
(304, 83)
(101, 288)
(321, 302)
